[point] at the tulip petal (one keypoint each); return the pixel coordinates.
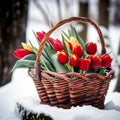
(91, 48)
(84, 64)
(20, 53)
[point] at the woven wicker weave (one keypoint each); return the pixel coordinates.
(70, 89)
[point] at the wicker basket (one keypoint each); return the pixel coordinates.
(70, 89)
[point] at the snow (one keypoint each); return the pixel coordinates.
(21, 88)
(75, 113)
(13, 91)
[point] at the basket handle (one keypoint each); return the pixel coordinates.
(62, 22)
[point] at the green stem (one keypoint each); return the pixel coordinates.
(81, 71)
(46, 68)
(70, 68)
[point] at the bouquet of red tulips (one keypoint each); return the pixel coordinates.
(70, 54)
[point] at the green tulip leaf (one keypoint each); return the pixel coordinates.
(58, 66)
(76, 35)
(34, 48)
(63, 40)
(66, 35)
(26, 62)
(46, 64)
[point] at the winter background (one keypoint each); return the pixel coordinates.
(22, 89)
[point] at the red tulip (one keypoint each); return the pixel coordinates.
(40, 35)
(77, 50)
(62, 57)
(20, 53)
(84, 64)
(74, 61)
(106, 60)
(95, 61)
(91, 48)
(57, 44)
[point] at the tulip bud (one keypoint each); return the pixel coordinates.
(40, 35)
(84, 64)
(73, 40)
(57, 45)
(95, 61)
(20, 53)
(62, 57)
(106, 60)
(77, 50)
(74, 61)
(91, 48)
(26, 47)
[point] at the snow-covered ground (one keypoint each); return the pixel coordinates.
(21, 87)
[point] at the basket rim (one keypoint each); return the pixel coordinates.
(109, 75)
